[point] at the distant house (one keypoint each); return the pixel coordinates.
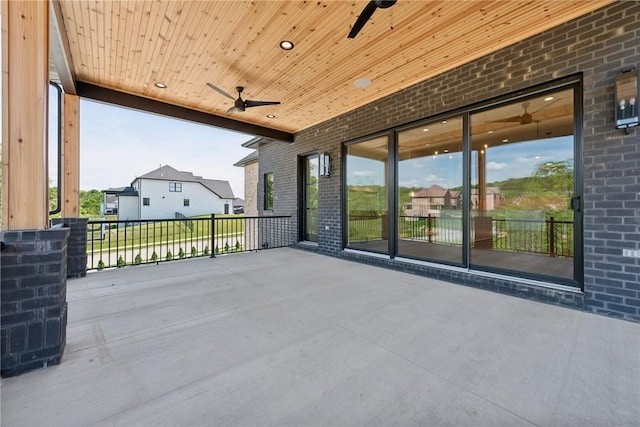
(169, 193)
(431, 201)
(110, 201)
(493, 198)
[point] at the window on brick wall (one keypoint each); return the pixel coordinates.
(268, 191)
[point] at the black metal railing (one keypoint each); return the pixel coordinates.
(548, 237)
(121, 243)
(432, 229)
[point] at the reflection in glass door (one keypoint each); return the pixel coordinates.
(522, 181)
(367, 195)
(430, 220)
(310, 198)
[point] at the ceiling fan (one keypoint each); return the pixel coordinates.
(366, 14)
(240, 104)
(524, 119)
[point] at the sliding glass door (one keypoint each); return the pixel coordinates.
(430, 223)
(522, 182)
(367, 195)
(493, 188)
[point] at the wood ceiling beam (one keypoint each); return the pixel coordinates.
(59, 48)
(110, 96)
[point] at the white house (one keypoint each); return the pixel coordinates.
(168, 193)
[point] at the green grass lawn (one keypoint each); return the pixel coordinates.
(113, 235)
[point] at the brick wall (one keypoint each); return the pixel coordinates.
(598, 45)
(34, 304)
(76, 245)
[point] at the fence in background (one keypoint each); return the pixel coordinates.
(121, 243)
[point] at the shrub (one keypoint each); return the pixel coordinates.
(226, 247)
(154, 256)
(194, 251)
(237, 246)
(169, 256)
(121, 262)
(206, 250)
(181, 254)
(137, 260)
(100, 265)
(217, 250)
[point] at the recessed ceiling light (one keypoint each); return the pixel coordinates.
(443, 122)
(505, 140)
(362, 83)
(549, 98)
(160, 85)
(286, 45)
(490, 131)
(445, 150)
(425, 130)
(270, 116)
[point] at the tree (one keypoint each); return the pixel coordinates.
(90, 202)
(555, 177)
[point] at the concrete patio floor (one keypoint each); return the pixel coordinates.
(288, 337)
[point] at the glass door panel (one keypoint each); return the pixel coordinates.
(367, 195)
(522, 180)
(430, 164)
(310, 199)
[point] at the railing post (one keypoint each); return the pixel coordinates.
(429, 228)
(552, 237)
(213, 236)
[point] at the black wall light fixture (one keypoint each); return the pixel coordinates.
(325, 164)
(627, 99)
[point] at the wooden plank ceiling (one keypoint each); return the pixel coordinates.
(128, 46)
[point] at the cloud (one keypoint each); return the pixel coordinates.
(495, 166)
(434, 178)
(363, 174)
(410, 184)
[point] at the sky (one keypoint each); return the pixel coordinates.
(119, 144)
(516, 160)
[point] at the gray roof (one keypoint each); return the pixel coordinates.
(167, 173)
(250, 158)
(120, 191)
(114, 190)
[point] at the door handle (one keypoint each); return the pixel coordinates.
(575, 204)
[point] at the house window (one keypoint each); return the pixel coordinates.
(268, 191)
(145, 201)
(175, 187)
(186, 202)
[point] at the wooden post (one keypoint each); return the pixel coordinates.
(25, 80)
(70, 195)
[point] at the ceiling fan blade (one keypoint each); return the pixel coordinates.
(234, 109)
(366, 14)
(220, 91)
(516, 119)
(248, 103)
